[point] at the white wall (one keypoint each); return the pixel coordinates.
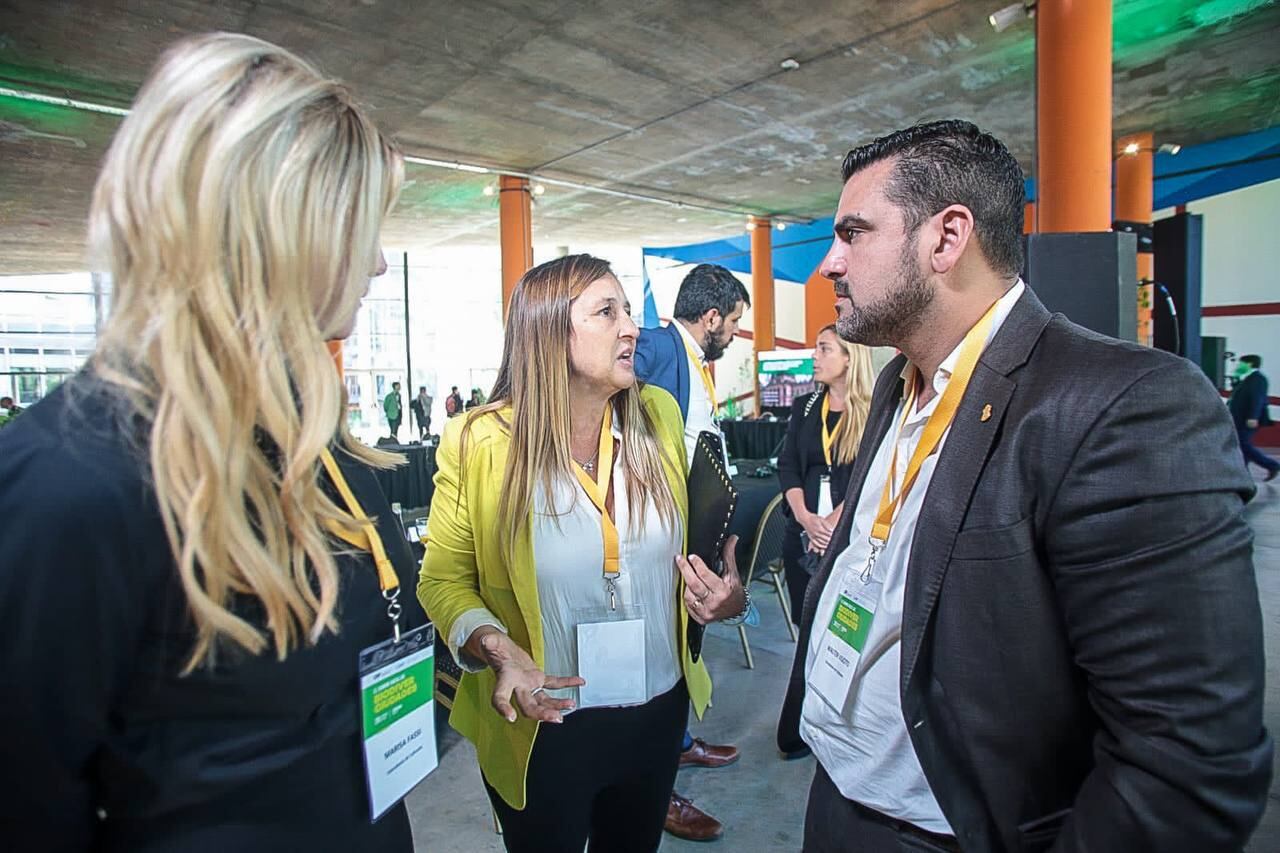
(1240, 232)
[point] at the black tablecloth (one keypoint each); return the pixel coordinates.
(410, 485)
(753, 439)
(754, 494)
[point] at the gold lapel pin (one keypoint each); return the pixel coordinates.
(986, 413)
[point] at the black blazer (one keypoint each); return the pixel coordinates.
(1082, 656)
(96, 711)
(802, 463)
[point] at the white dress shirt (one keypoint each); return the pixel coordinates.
(700, 417)
(568, 549)
(865, 748)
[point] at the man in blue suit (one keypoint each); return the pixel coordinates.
(1248, 406)
(677, 357)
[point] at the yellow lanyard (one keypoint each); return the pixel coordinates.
(706, 376)
(829, 436)
(367, 539)
(934, 429)
(598, 491)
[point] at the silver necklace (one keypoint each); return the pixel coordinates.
(590, 465)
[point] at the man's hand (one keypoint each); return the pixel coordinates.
(1252, 423)
(709, 597)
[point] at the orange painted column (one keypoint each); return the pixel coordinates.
(819, 306)
(1029, 218)
(1073, 115)
(335, 350)
(516, 219)
(1135, 195)
(762, 307)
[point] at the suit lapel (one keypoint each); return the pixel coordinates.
(968, 444)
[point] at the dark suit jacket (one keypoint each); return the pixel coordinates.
(1249, 400)
(661, 360)
(1082, 659)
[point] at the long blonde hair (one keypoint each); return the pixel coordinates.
(238, 211)
(533, 381)
(859, 382)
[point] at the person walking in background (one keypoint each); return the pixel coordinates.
(551, 571)
(421, 408)
(394, 410)
(817, 455)
(676, 357)
(1036, 625)
(180, 672)
(477, 399)
(453, 403)
(10, 410)
(1249, 411)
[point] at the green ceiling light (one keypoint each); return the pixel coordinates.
(1216, 11)
(70, 103)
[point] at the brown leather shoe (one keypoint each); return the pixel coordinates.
(687, 821)
(703, 754)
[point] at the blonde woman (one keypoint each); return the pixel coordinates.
(181, 629)
(553, 571)
(817, 456)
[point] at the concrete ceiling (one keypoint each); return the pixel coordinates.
(683, 100)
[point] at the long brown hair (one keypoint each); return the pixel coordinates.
(533, 381)
(238, 211)
(859, 382)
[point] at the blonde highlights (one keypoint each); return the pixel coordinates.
(238, 211)
(860, 380)
(533, 381)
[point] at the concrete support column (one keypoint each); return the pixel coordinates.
(516, 219)
(1073, 115)
(1135, 194)
(762, 308)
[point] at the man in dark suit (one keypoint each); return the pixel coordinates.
(1039, 627)
(1248, 407)
(675, 357)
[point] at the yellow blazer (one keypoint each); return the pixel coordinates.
(465, 568)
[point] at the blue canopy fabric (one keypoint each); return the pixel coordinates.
(1196, 172)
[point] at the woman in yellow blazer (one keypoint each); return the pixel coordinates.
(554, 572)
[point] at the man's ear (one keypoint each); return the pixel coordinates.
(710, 317)
(951, 229)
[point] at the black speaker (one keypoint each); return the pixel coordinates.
(1213, 360)
(1091, 277)
(1178, 261)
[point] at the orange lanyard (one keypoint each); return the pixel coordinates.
(707, 382)
(367, 539)
(934, 429)
(829, 436)
(598, 491)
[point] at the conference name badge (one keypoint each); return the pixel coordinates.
(398, 716)
(843, 642)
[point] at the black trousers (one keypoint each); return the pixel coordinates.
(793, 562)
(833, 824)
(602, 778)
(394, 423)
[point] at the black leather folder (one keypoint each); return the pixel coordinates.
(712, 500)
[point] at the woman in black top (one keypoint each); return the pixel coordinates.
(817, 456)
(182, 622)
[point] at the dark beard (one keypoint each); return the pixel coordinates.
(713, 349)
(896, 316)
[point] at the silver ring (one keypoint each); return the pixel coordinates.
(537, 690)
